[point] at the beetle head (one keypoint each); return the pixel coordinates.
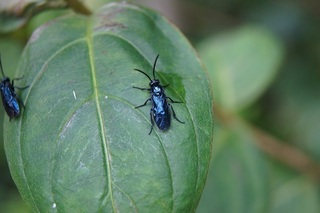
(154, 83)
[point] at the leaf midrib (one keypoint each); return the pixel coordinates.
(105, 143)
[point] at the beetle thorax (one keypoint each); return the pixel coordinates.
(4, 82)
(156, 88)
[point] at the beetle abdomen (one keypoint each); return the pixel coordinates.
(163, 121)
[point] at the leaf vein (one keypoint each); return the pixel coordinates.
(42, 70)
(24, 176)
(105, 143)
(134, 206)
(61, 130)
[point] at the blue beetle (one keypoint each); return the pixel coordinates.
(160, 110)
(10, 100)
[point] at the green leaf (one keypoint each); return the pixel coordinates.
(241, 64)
(291, 191)
(237, 181)
(300, 195)
(80, 145)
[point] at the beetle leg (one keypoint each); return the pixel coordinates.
(174, 115)
(21, 87)
(142, 88)
(152, 122)
(165, 86)
(20, 102)
(19, 78)
(143, 104)
(12, 83)
(172, 101)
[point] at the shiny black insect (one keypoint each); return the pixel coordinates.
(10, 100)
(159, 112)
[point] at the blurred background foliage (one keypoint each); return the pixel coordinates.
(263, 60)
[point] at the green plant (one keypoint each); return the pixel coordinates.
(80, 145)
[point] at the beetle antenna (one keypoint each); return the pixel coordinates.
(143, 73)
(1, 67)
(154, 66)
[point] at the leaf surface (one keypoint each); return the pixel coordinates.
(241, 65)
(80, 145)
(238, 178)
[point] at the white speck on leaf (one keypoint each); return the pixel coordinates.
(54, 205)
(74, 95)
(106, 97)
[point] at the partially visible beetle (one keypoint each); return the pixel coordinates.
(10, 100)
(159, 112)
